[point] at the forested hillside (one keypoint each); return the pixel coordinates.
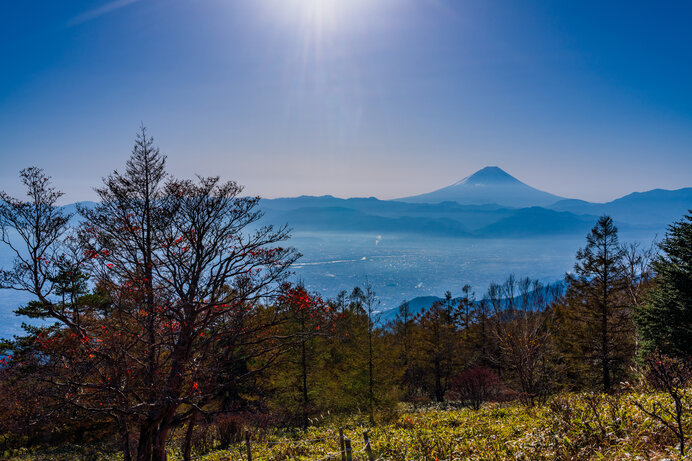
(170, 330)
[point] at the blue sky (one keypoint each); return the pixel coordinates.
(382, 98)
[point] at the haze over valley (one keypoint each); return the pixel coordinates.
(476, 231)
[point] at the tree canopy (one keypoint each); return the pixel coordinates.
(664, 321)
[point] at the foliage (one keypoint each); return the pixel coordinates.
(179, 281)
(665, 320)
(568, 427)
(174, 331)
(520, 326)
(293, 378)
(673, 377)
(437, 347)
(475, 386)
(595, 326)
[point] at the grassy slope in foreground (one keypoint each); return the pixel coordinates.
(565, 428)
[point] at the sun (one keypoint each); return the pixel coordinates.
(322, 16)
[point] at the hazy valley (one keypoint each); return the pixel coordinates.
(410, 250)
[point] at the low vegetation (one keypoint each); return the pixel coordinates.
(567, 426)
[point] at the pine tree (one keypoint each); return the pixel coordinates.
(599, 328)
(401, 331)
(665, 321)
(435, 348)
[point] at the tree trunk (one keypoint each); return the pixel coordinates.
(604, 336)
(146, 441)
(125, 439)
(438, 381)
(304, 367)
(604, 353)
(187, 452)
(371, 384)
(159, 452)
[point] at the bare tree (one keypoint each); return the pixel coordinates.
(637, 265)
(35, 230)
(370, 304)
(474, 386)
(673, 377)
(521, 312)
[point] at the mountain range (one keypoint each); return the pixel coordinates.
(487, 204)
(490, 203)
(416, 248)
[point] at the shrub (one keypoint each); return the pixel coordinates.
(476, 385)
(671, 376)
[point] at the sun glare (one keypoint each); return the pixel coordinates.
(322, 16)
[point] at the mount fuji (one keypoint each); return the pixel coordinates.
(487, 186)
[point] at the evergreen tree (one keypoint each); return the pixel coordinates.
(599, 328)
(401, 331)
(294, 379)
(435, 351)
(465, 310)
(665, 321)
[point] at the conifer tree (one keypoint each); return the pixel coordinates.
(401, 330)
(435, 354)
(665, 321)
(599, 330)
